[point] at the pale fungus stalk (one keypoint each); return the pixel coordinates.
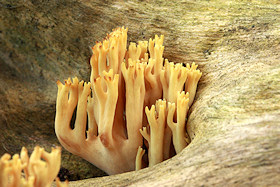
(178, 128)
(153, 70)
(191, 84)
(157, 122)
(139, 156)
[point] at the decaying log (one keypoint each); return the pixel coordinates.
(234, 122)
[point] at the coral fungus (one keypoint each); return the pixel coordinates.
(132, 100)
(40, 169)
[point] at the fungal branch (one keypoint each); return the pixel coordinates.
(157, 124)
(180, 140)
(133, 96)
(135, 92)
(153, 70)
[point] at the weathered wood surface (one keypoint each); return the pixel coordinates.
(234, 121)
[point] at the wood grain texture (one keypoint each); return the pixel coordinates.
(234, 121)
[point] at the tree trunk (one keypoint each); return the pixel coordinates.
(234, 122)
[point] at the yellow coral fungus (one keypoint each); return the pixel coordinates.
(40, 169)
(123, 83)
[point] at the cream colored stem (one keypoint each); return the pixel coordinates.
(178, 129)
(81, 117)
(191, 82)
(135, 92)
(138, 161)
(157, 126)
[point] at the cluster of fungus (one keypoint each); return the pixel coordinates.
(39, 170)
(135, 101)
